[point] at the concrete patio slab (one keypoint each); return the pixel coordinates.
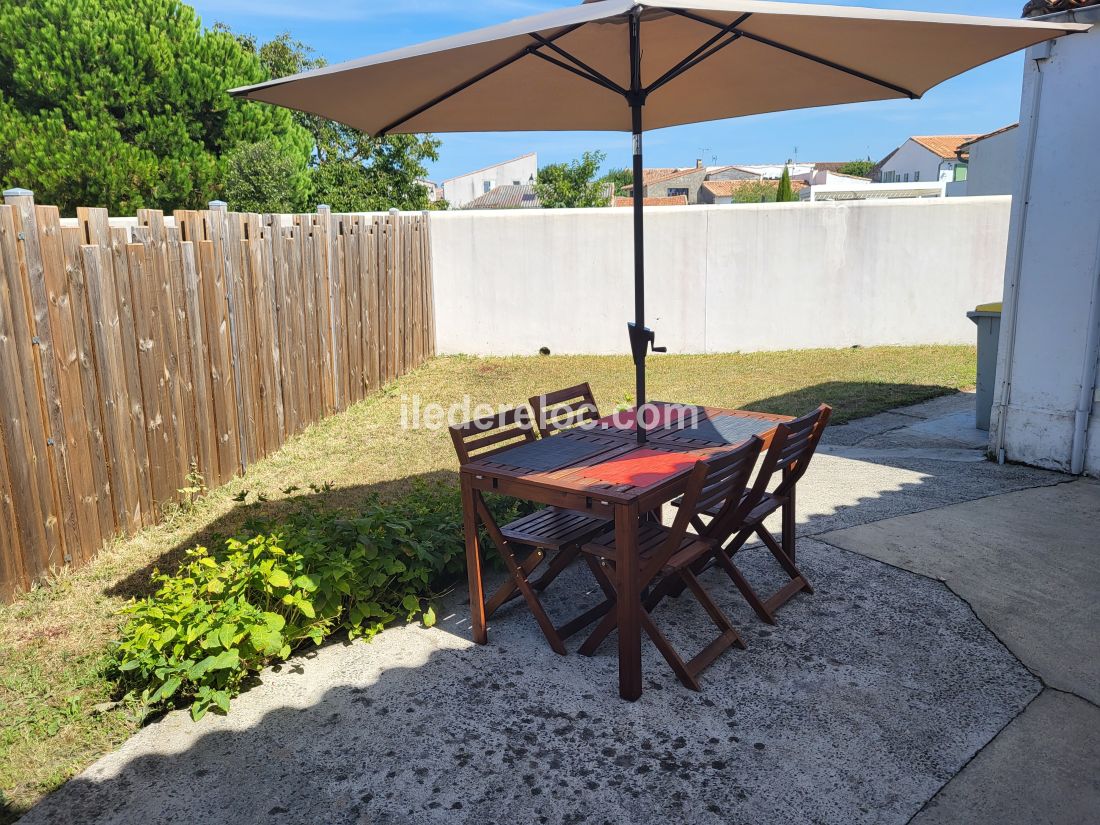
(1042, 770)
(1028, 562)
(958, 426)
(857, 708)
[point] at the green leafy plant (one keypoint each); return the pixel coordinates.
(223, 616)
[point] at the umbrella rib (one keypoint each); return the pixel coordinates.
(563, 65)
(697, 55)
(466, 84)
(603, 79)
(803, 54)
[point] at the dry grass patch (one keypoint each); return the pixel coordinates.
(55, 711)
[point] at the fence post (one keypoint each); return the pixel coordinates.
(56, 446)
(221, 209)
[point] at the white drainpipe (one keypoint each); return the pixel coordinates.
(1087, 392)
(1041, 54)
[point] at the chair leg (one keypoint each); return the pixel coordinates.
(604, 628)
(683, 673)
(582, 621)
(726, 563)
(520, 579)
(561, 561)
(508, 591)
(781, 556)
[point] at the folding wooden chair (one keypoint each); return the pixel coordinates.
(564, 408)
(790, 452)
(669, 553)
(549, 530)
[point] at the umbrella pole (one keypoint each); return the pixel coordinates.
(640, 337)
(638, 340)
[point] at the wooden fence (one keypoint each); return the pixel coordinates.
(132, 357)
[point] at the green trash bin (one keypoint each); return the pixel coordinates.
(988, 319)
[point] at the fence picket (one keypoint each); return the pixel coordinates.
(131, 354)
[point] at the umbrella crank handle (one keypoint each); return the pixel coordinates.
(641, 341)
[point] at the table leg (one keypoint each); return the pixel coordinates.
(629, 604)
(473, 563)
(789, 521)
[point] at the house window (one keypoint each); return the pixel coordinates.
(889, 177)
(906, 179)
(960, 172)
(486, 186)
(677, 190)
(916, 177)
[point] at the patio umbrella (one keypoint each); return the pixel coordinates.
(633, 64)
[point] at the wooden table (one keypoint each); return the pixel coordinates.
(577, 485)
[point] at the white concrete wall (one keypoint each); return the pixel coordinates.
(1052, 281)
(461, 190)
(719, 278)
(992, 168)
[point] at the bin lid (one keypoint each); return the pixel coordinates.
(994, 307)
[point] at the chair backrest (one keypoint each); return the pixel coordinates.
(564, 408)
(482, 437)
(715, 484)
(792, 447)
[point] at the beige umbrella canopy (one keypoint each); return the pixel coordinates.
(628, 64)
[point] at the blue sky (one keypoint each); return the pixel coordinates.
(979, 101)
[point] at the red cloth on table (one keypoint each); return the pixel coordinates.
(642, 467)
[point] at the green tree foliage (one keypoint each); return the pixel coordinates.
(351, 172)
(859, 168)
(619, 178)
(755, 191)
(123, 104)
(784, 193)
(573, 184)
(265, 177)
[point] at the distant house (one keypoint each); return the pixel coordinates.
(435, 191)
(673, 183)
(725, 191)
(923, 159)
(519, 171)
(507, 197)
(990, 163)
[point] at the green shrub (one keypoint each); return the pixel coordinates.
(224, 616)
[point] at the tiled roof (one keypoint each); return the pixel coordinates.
(943, 145)
(1002, 130)
(831, 166)
(507, 197)
(657, 175)
(726, 188)
(675, 200)
(1035, 8)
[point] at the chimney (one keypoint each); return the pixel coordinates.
(698, 163)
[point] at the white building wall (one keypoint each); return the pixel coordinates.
(912, 159)
(461, 190)
(1052, 280)
(992, 168)
(720, 278)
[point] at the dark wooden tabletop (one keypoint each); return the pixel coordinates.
(614, 468)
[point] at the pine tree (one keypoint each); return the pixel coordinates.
(124, 104)
(784, 193)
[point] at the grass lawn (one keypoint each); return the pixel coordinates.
(56, 715)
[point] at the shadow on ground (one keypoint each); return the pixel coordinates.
(232, 523)
(857, 708)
